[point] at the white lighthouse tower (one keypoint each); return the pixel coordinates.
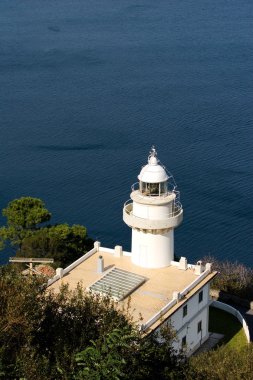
(153, 212)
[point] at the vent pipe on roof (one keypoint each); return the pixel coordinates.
(176, 296)
(97, 245)
(118, 251)
(199, 268)
(209, 266)
(183, 263)
(100, 265)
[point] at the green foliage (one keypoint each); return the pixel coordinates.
(73, 335)
(3, 237)
(105, 359)
(24, 216)
(17, 299)
(234, 278)
(126, 355)
(26, 232)
(26, 213)
(222, 364)
(41, 332)
(232, 360)
(62, 242)
(70, 321)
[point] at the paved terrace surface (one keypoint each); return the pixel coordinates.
(149, 298)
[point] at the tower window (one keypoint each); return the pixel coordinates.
(163, 187)
(153, 189)
(199, 326)
(201, 296)
(183, 343)
(184, 310)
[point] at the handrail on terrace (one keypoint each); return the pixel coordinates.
(30, 260)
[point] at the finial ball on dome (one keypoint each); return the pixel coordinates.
(152, 158)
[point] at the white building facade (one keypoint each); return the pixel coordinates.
(190, 321)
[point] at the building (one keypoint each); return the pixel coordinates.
(161, 290)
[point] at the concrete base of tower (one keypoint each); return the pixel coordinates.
(152, 251)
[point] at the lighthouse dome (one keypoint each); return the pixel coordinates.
(153, 172)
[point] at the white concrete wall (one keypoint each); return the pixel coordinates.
(152, 250)
(231, 310)
(194, 338)
(156, 212)
(193, 307)
(188, 325)
(72, 266)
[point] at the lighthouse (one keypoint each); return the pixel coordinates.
(153, 212)
(148, 281)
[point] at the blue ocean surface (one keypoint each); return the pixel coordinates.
(87, 86)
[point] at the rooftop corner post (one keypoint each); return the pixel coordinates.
(153, 212)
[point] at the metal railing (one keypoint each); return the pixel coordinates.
(176, 210)
(30, 260)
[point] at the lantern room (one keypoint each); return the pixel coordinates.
(153, 179)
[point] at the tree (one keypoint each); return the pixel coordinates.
(62, 242)
(18, 316)
(125, 354)
(27, 232)
(234, 278)
(105, 358)
(47, 336)
(24, 216)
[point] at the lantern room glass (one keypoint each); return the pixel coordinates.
(153, 189)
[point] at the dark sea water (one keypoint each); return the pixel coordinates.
(86, 87)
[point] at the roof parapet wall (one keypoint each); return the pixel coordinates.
(178, 296)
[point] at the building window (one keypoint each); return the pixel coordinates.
(184, 310)
(199, 326)
(201, 296)
(183, 341)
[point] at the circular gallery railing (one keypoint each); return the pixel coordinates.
(170, 220)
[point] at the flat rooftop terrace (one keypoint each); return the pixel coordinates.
(146, 300)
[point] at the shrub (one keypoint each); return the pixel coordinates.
(234, 278)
